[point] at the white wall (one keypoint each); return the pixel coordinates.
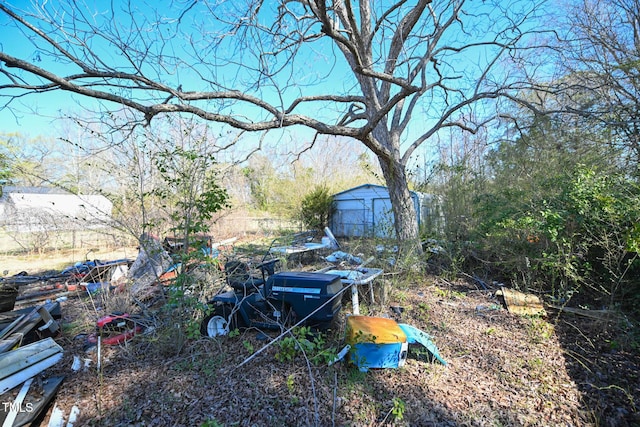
(364, 211)
(24, 212)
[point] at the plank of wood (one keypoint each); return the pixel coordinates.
(40, 401)
(605, 315)
(33, 370)
(23, 357)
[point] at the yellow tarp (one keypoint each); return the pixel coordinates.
(521, 303)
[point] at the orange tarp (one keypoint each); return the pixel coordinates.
(378, 330)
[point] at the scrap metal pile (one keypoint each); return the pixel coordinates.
(30, 315)
(30, 311)
(27, 349)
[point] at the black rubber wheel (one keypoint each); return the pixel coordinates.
(220, 321)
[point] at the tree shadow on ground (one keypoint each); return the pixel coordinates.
(605, 367)
(499, 373)
(204, 385)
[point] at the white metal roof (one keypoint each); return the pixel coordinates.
(30, 210)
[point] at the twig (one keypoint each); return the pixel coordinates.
(386, 416)
(575, 357)
(93, 304)
(580, 332)
(617, 387)
(446, 282)
(313, 388)
(335, 398)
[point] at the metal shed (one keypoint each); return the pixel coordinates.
(365, 211)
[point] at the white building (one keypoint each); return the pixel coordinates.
(36, 209)
(365, 211)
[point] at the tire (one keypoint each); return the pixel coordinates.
(219, 322)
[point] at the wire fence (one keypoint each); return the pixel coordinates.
(52, 238)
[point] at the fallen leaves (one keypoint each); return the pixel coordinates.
(526, 372)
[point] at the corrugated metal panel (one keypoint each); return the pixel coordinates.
(382, 221)
(350, 218)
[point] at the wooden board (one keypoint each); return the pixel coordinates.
(38, 400)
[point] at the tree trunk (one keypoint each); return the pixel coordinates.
(404, 211)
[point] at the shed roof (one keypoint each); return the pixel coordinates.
(32, 190)
(368, 186)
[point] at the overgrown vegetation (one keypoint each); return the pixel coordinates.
(551, 206)
(553, 213)
(303, 342)
(189, 190)
(316, 208)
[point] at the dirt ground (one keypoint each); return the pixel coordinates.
(502, 369)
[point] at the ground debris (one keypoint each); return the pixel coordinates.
(502, 369)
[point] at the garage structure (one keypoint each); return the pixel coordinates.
(365, 211)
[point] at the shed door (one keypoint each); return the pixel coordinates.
(383, 218)
(349, 218)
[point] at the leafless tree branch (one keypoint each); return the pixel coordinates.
(371, 71)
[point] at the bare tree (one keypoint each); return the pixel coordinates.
(602, 63)
(388, 74)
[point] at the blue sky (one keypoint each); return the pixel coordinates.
(38, 115)
(32, 115)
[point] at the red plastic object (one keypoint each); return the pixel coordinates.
(112, 323)
(113, 320)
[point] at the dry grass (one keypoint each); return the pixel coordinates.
(503, 370)
(59, 259)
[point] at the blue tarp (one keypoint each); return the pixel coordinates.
(416, 336)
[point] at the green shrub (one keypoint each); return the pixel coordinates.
(302, 342)
(316, 208)
(582, 238)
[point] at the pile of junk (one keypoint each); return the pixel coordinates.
(256, 293)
